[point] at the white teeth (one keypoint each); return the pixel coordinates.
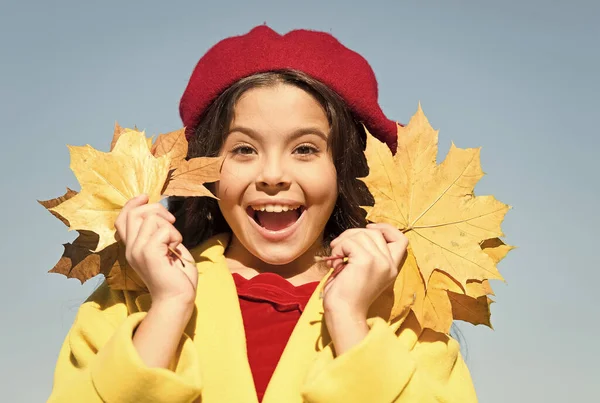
(274, 208)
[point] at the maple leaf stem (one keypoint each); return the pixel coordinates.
(181, 258)
(328, 258)
(336, 270)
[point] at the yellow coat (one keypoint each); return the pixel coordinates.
(99, 363)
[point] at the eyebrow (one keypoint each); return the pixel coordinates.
(292, 136)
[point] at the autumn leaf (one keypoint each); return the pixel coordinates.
(108, 180)
(173, 144)
(78, 261)
(401, 297)
(117, 133)
(434, 204)
(496, 249)
(120, 130)
(454, 243)
(121, 275)
(474, 305)
(446, 299)
(188, 178)
(432, 307)
(55, 202)
(478, 288)
(443, 301)
(473, 310)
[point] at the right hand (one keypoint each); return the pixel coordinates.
(147, 231)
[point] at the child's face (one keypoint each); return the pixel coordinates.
(276, 158)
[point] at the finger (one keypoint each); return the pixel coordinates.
(189, 268)
(336, 263)
(336, 250)
(184, 252)
(136, 201)
(354, 253)
(397, 242)
(165, 236)
(363, 252)
(121, 220)
(347, 233)
(390, 232)
(148, 228)
(362, 233)
(377, 238)
(154, 208)
(136, 217)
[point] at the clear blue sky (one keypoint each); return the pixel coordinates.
(518, 78)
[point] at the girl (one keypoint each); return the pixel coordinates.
(257, 319)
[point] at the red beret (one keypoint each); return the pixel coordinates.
(317, 54)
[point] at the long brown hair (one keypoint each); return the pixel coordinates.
(198, 218)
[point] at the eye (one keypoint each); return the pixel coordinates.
(306, 149)
(243, 150)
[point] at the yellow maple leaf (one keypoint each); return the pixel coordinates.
(453, 235)
(108, 181)
(174, 144)
(434, 204)
(80, 262)
(188, 178)
(405, 293)
(473, 310)
(441, 303)
(120, 130)
(496, 249)
(49, 204)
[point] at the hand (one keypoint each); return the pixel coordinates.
(147, 231)
(374, 256)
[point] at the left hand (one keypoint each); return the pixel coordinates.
(374, 256)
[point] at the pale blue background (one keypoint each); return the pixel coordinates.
(519, 78)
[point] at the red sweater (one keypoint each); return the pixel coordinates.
(270, 307)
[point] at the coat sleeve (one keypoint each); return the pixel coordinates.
(99, 363)
(414, 366)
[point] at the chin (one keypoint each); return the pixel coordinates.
(276, 254)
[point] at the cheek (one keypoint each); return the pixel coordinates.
(319, 182)
(232, 183)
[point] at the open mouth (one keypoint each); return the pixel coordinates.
(275, 218)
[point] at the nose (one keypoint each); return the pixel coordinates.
(273, 176)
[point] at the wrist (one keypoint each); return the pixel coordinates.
(343, 313)
(343, 310)
(175, 308)
(346, 326)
